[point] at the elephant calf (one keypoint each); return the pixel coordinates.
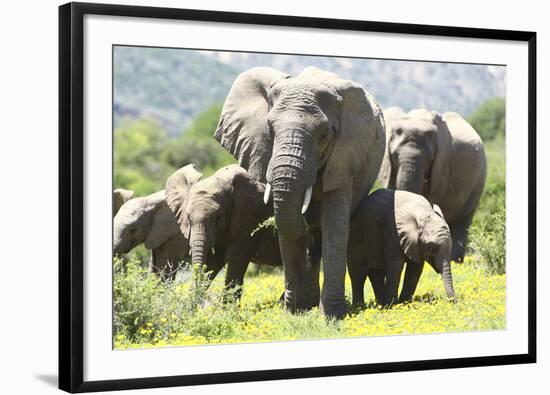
(218, 215)
(388, 229)
(148, 220)
(441, 157)
(120, 196)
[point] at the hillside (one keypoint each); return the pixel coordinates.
(173, 86)
(167, 85)
(438, 86)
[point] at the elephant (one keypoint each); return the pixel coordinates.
(388, 229)
(150, 221)
(440, 157)
(120, 196)
(219, 215)
(313, 138)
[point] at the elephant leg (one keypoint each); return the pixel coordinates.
(459, 233)
(234, 278)
(215, 263)
(377, 280)
(394, 268)
(357, 272)
(239, 255)
(152, 267)
(312, 271)
(412, 276)
(335, 218)
(168, 257)
(158, 265)
(294, 256)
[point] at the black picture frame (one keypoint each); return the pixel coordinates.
(71, 198)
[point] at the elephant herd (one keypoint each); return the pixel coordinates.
(310, 148)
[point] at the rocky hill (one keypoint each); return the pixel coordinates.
(173, 85)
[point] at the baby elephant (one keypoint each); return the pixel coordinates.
(149, 220)
(218, 215)
(388, 229)
(120, 196)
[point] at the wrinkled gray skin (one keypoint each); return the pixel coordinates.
(149, 220)
(218, 215)
(388, 229)
(440, 157)
(313, 130)
(120, 196)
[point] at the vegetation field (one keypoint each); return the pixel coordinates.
(150, 313)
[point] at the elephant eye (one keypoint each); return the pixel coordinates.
(133, 231)
(398, 131)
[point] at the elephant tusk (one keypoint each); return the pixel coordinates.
(267, 193)
(307, 199)
(213, 251)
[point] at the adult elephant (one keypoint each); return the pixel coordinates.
(313, 137)
(440, 157)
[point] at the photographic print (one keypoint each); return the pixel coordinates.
(357, 195)
(264, 197)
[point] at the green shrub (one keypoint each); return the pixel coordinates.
(147, 309)
(487, 233)
(489, 118)
(488, 242)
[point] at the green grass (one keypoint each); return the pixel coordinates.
(178, 314)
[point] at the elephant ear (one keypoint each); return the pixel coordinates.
(386, 176)
(438, 211)
(360, 142)
(242, 129)
(440, 175)
(163, 224)
(177, 191)
(121, 196)
(409, 222)
(248, 209)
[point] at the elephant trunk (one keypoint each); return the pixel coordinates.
(448, 279)
(199, 245)
(410, 176)
(292, 173)
(117, 246)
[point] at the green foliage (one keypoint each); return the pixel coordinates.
(138, 146)
(205, 124)
(153, 314)
(148, 310)
(197, 145)
(487, 240)
(144, 156)
(489, 118)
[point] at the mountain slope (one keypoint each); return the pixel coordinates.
(169, 85)
(174, 85)
(408, 84)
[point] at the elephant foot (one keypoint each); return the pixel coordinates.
(294, 304)
(458, 252)
(336, 311)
